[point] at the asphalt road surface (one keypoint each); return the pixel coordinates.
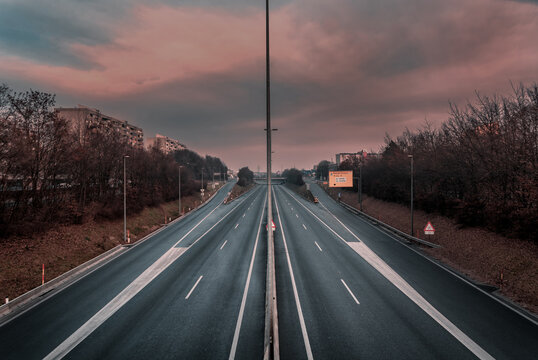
(347, 290)
(196, 290)
(179, 295)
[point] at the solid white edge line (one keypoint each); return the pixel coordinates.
(451, 272)
(348, 289)
(315, 242)
(194, 287)
(223, 244)
(245, 292)
(392, 276)
(294, 286)
(130, 291)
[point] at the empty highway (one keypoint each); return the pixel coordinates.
(349, 290)
(196, 290)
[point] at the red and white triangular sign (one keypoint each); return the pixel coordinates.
(429, 229)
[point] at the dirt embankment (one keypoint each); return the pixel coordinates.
(510, 264)
(65, 247)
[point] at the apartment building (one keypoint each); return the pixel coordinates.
(83, 119)
(341, 157)
(164, 144)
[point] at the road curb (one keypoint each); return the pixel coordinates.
(61, 282)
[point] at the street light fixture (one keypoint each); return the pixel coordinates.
(124, 200)
(411, 157)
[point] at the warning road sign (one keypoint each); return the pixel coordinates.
(429, 229)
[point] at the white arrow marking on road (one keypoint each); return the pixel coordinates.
(194, 287)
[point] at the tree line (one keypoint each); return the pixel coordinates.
(480, 167)
(49, 174)
(293, 176)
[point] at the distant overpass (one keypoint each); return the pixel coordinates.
(274, 180)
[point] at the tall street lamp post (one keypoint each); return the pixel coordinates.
(179, 189)
(360, 185)
(411, 157)
(124, 200)
(202, 188)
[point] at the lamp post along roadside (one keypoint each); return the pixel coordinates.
(411, 157)
(360, 185)
(179, 190)
(124, 200)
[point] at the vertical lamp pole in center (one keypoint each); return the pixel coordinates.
(268, 127)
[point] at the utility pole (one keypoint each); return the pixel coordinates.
(124, 200)
(411, 157)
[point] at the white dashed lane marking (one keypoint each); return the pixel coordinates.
(354, 298)
(194, 287)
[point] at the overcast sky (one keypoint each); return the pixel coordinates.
(344, 72)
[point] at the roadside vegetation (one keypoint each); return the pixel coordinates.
(245, 182)
(295, 182)
(50, 176)
(480, 168)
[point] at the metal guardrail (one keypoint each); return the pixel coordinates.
(388, 227)
(64, 280)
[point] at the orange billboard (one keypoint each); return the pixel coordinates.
(340, 178)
